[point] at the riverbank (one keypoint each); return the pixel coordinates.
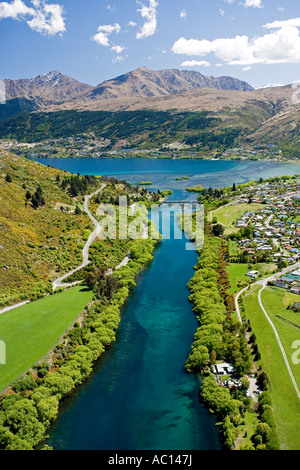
(72, 362)
(164, 157)
(221, 343)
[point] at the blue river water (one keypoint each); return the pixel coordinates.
(139, 396)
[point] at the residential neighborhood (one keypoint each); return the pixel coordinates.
(276, 227)
(270, 234)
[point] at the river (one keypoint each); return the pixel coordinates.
(139, 396)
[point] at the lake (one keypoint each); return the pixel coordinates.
(163, 173)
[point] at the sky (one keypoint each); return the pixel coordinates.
(94, 40)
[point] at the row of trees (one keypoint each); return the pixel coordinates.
(220, 338)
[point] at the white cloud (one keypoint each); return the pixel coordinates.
(15, 10)
(253, 3)
(132, 24)
(149, 13)
(183, 14)
(45, 18)
(248, 3)
(104, 31)
(48, 19)
(282, 46)
(110, 8)
(102, 39)
(280, 24)
(195, 63)
(222, 12)
(118, 49)
(118, 59)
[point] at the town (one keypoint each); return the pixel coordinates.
(271, 233)
(91, 146)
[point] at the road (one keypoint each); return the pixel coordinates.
(13, 307)
(85, 253)
(58, 283)
(237, 307)
(264, 283)
(269, 227)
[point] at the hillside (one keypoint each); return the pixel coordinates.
(209, 119)
(283, 128)
(139, 129)
(36, 243)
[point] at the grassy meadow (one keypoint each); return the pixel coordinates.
(31, 331)
(227, 215)
(285, 400)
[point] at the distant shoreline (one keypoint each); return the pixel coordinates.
(265, 160)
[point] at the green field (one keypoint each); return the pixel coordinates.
(227, 215)
(237, 273)
(285, 400)
(248, 429)
(237, 276)
(273, 300)
(31, 331)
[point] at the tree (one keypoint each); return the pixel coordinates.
(197, 359)
(8, 178)
(34, 202)
(263, 429)
(245, 384)
(230, 432)
(218, 230)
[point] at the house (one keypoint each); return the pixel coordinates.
(296, 274)
(241, 224)
(281, 284)
(288, 278)
(224, 369)
(253, 274)
(297, 234)
(295, 290)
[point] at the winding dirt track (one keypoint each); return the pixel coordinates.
(85, 253)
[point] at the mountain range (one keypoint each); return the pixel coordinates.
(55, 88)
(266, 114)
